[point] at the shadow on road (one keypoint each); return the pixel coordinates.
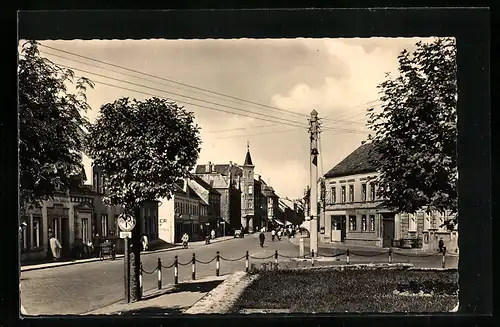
(153, 311)
(199, 287)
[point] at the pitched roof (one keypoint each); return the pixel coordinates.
(205, 185)
(248, 159)
(268, 191)
(359, 161)
(224, 169)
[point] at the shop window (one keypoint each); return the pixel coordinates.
(104, 225)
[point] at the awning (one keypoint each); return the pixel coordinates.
(279, 222)
(288, 223)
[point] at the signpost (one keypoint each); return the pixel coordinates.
(126, 224)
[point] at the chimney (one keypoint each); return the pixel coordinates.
(230, 163)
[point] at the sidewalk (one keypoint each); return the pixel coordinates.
(343, 246)
(171, 299)
(118, 256)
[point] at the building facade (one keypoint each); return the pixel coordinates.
(355, 215)
(211, 198)
(225, 179)
(77, 214)
(271, 203)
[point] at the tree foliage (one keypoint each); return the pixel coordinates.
(51, 125)
(142, 148)
(415, 134)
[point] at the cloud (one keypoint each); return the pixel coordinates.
(287, 77)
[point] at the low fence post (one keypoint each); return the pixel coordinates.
(312, 258)
(347, 256)
(176, 270)
(217, 264)
(444, 258)
(140, 281)
(246, 261)
(390, 255)
(276, 257)
(193, 267)
(159, 274)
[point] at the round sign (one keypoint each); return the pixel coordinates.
(126, 222)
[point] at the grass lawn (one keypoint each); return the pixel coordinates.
(328, 290)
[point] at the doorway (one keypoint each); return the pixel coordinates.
(65, 241)
(338, 228)
(388, 230)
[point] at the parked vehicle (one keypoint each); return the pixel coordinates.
(238, 233)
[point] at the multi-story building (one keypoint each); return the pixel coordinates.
(355, 215)
(211, 198)
(225, 179)
(194, 208)
(271, 200)
(77, 214)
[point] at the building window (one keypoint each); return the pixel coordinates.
(85, 230)
(372, 191)
(96, 182)
(37, 232)
(55, 227)
(101, 184)
(363, 192)
(412, 223)
(363, 223)
(24, 238)
(250, 204)
(104, 225)
(334, 194)
(427, 221)
(351, 193)
(343, 194)
(352, 223)
(372, 223)
(250, 189)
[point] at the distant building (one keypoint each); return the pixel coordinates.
(272, 206)
(238, 181)
(355, 215)
(211, 198)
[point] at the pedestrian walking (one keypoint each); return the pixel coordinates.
(441, 245)
(212, 234)
(262, 238)
(273, 235)
(144, 241)
(55, 247)
(279, 235)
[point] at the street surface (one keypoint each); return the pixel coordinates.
(77, 289)
(81, 288)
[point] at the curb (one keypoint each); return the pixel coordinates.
(417, 253)
(118, 256)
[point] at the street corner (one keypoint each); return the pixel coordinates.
(221, 299)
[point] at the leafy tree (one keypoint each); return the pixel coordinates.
(142, 148)
(51, 126)
(415, 134)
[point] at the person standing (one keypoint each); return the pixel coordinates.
(144, 241)
(279, 235)
(273, 235)
(262, 237)
(55, 247)
(212, 234)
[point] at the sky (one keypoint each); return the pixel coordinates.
(281, 81)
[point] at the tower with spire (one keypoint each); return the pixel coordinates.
(247, 192)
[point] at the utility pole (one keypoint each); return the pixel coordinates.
(313, 206)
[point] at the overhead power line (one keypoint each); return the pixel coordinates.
(240, 128)
(257, 134)
(196, 99)
(169, 80)
(175, 82)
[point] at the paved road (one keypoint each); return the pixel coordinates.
(81, 288)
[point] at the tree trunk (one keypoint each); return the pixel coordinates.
(135, 258)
